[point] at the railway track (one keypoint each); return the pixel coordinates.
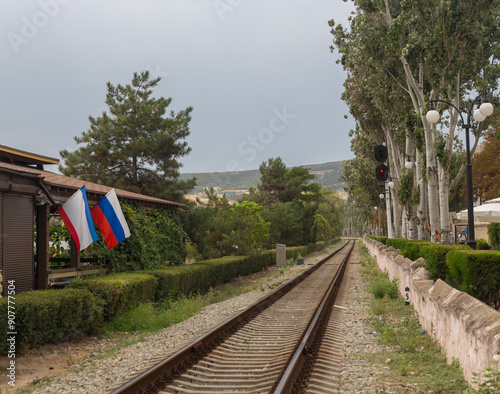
(274, 345)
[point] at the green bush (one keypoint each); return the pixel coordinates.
(156, 240)
(175, 282)
(435, 255)
(382, 287)
(494, 234)
(476, 272)
(482, 244)
(412, 248)
(380, 239)
(51, 316)
(119, 291)
(397, 243)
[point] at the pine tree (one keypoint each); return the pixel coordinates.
(135, 147)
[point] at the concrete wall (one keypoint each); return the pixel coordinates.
(467, 329)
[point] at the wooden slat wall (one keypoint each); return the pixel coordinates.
(18, 240)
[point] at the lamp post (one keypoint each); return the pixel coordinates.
(480, 114)
(408, 163)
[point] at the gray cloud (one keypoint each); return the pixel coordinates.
(236, 62)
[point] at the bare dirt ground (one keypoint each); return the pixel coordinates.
(51, 360)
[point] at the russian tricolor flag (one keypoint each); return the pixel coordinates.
(108, 216)
(76, 215)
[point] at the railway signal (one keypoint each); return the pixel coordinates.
(381, 153)
(382, 173)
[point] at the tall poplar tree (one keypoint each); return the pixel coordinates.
(448, 47)
(135, 147)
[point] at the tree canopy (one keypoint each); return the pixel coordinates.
(398, 54)
(135, 147)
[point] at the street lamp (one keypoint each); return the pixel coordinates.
(484, 110)
(408, 163)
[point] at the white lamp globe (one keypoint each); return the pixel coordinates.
(408, 165)
(478, 115)
(381, 196)
(486, 109)
(432, 116)
(391, 184)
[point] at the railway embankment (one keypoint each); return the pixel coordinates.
(467, 329)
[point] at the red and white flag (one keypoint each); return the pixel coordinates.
(76, 215)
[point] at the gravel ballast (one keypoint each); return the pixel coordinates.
(95, 374)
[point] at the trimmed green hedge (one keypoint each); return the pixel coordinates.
(476, 272)
(381, 239)
(51, 316)
(412, 248)
(119, 291)
(435, 255)
(174, 282)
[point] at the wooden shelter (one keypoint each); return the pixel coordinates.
(27, 194)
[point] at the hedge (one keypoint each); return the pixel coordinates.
(435, 256)
(476, 272)
(382, 240)
(174, 282)
(51, 316)
(119, 291)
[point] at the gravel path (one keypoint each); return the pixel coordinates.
(96, 375)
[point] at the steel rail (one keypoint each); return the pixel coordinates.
(304, 350)
(179, 361)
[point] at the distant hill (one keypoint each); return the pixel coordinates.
(234, 184)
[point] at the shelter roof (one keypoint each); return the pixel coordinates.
(23, 158)
(62, 187)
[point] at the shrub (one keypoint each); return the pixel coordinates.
(382, 287)
(494, 234)
(397, 243)
(156, 240)
(435, 255)
(482, 244)
(412, 248)
(476, 272)
(379, 239)
(51, 316)
(119, 291)
(174, 282)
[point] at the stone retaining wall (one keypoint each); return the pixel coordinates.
(467, 329)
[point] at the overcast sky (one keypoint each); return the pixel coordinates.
(258, 73)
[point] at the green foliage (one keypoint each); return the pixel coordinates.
(490, 382)
(51, 316)
(440, 149)
(405, 189)
(150, 317)
(494, 234)
(60, 238)
(383, 240)
(435, 255)
(397, 243)
(156, 240)
(412, 248)
(382, 287)
(135, 147)
(482, 244)
(476, 272)
(218, 228)
(119, 291)
(198, 278)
